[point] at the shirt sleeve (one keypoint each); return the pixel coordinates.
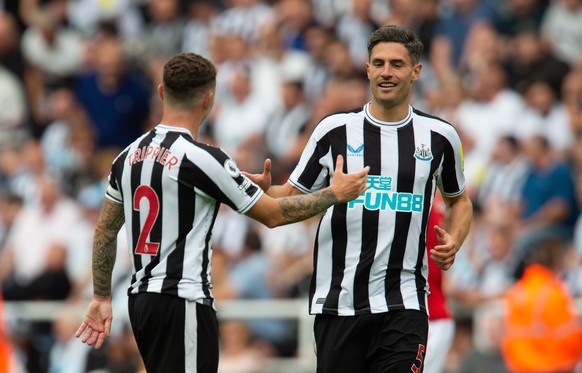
(451, 180)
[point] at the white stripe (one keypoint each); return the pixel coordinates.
(323, 276)
(386, 223)
(190, 337)
(354, 238)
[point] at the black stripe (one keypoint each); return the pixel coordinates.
(339, 232)
(135, 181)
(205, 255)
(313, 168)
(405, 183)
(448, 173)
(312, 283)
(213, 189)
(370, 220)
(117, 171)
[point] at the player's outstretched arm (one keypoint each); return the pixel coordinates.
(280, 211)
(97, 322)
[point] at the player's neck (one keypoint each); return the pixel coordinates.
(389, 113)
(188, 120)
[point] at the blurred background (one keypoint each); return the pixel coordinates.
(77, 84)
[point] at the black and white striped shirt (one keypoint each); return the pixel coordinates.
(171, 187)
(370, 252)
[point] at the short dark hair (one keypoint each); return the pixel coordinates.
(397, 34)
(186, 77)
(548, 251)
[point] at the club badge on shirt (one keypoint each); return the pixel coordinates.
(231, 168)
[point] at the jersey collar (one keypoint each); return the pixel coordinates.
(375, 121)
(173, 128)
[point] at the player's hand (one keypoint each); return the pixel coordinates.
(97, 323)
(346, 187)
(444, 253)
(262, 180)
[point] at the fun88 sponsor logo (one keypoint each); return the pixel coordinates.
(379, 196)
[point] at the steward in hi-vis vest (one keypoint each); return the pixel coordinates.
(542, 330)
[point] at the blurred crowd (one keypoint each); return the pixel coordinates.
(77, 84)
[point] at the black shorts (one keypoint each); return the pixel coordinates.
(174, 334)
(387, 342)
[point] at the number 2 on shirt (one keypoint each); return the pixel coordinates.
(145, 191)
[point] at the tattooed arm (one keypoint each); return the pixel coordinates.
(110, 221)
(97, 323)
(280, 211)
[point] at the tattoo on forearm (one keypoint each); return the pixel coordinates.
(105, 246)
(297, 208)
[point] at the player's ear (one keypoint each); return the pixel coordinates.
(208, 100)
(161, 91)
(416, 72)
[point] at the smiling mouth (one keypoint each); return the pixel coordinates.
(387, 85)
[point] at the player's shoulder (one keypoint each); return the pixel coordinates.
(213, 150)
(340, 118)
(436, 123)
(429, 118)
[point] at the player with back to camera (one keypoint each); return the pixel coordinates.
(369, 284)
(166, 188)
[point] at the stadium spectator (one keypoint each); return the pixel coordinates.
(562, 28)
(529, 60)
(542, 331)
(544, 116)
(198, 27)
(114, 94)
(68, 142)
(354, 28)
(500, 191)
(451, 31)
(237, 353)
(13, 109)
(494, 263)
(295, 17)
(242, 115)
(548, 204)
(495, 111)
(87, 16)
(286, 125)
(316, 77)
(164, 33)
(572, 104)
(10, 46)
(54, 51)
(33, 266)
(273, 65)
(515, 16)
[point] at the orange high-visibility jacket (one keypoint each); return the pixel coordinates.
(5, 351)
(542, 331)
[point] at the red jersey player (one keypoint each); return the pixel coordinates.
(441, 325)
